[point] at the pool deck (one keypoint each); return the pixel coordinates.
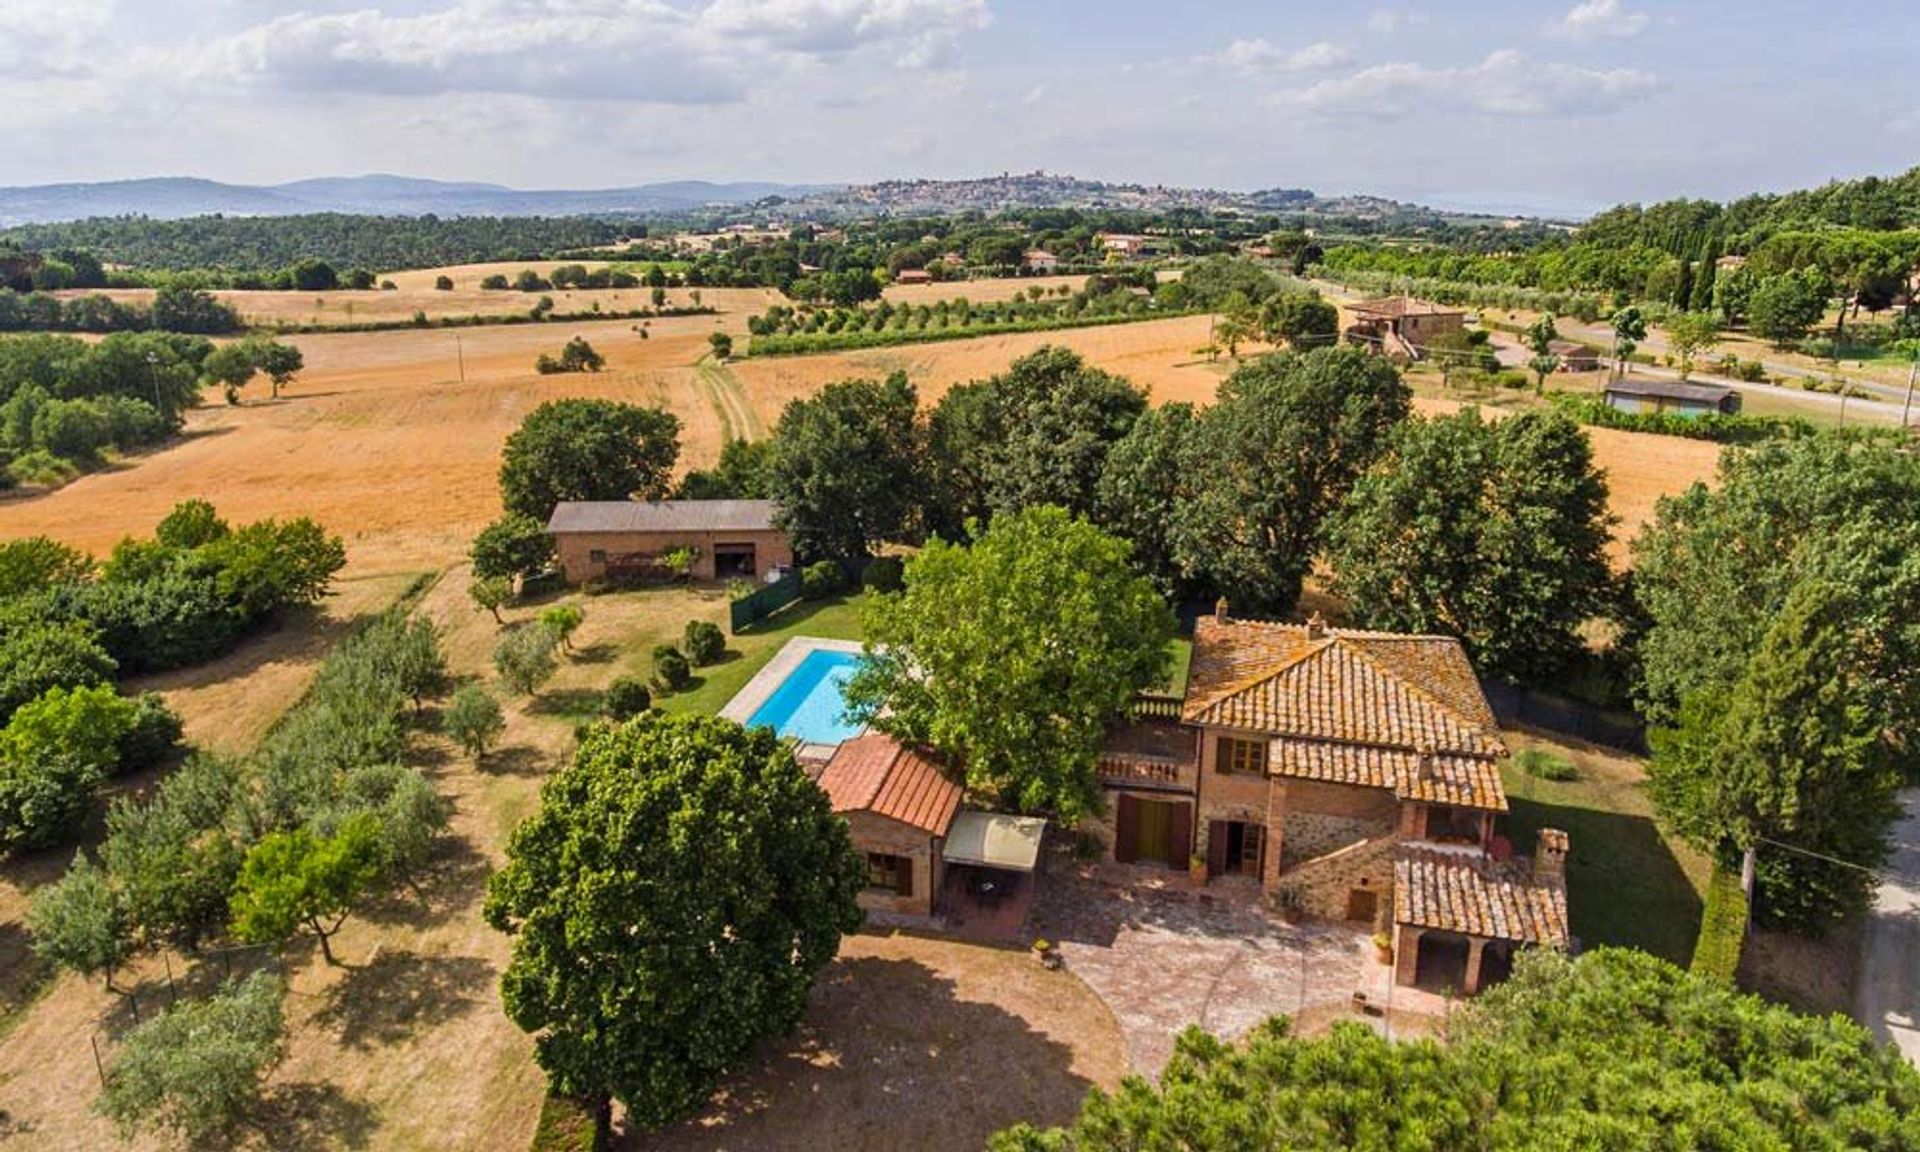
(765, 682)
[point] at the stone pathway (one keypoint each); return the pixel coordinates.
(1162, 960)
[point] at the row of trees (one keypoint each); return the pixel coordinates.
(320, 820)
(175, 308)
(69, 628)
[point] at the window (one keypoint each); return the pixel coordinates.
(890, 873)
(1234, 756)
(597, 556)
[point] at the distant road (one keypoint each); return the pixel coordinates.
(1889, 997)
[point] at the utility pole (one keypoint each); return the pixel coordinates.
(461, 355)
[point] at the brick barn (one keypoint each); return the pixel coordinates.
(628, 539)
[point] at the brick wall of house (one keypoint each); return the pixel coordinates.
(874, 833)
(1231, 796)
(576, 550)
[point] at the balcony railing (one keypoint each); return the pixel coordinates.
(1132, 770)
(1154, 706)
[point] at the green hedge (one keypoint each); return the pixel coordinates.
(566, 1125)
(1720, 429)
(1723, 927)
(485, 320)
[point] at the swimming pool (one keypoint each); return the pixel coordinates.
(808, 705)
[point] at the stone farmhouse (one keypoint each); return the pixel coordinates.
(1401, 325)
(1348, 775)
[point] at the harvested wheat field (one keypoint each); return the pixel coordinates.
(414, 293)
(381, 441)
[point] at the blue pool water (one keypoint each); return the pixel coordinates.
(808, 705)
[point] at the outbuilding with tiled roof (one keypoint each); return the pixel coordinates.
(899, 805)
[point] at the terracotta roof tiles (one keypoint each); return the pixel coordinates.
(874, 773)
(1475, 896)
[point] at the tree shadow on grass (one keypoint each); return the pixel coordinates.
(1625, 886)
(309, 1116)
(448, 888)
(573, 703)
(601, 653)
(399, 994)
(888, 1057)
(513, 760)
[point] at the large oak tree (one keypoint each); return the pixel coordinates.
(671, 903)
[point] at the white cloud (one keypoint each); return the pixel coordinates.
(1387, 21)
(633, 50)
(46, 41)
(1601, 20)
(1258, 57)
(1504, 84)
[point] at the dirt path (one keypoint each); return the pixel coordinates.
(1890, 951)
(729, 400)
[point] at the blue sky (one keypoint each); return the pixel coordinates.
(1559, 106)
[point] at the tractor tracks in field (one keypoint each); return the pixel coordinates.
(728, 398)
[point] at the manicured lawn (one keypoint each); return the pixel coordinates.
(1628, 882)
(1180, 653)
(747, 653)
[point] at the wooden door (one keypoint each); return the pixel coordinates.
(1126, 830)
(1218, 832)
(1362, 904)
(1154, 839)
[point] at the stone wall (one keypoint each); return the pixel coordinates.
(1324, 884)
(583, 555)
(873, 833)
(1311, 834)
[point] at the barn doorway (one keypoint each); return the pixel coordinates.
(735, 562)
(1152, 831)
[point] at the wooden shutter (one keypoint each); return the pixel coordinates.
(1182, 834)
(904, 866)
(1217, 848)
(1126, 829)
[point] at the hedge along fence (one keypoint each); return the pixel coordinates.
(763, 602)
(804, 343)
(1718, 428)
(482, 320)
(1723, 927)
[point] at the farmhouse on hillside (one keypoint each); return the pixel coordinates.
(1352, 775)
(1401, 325)
(631, 539)
(913, 276)
(1039, 260)
(1671, 397)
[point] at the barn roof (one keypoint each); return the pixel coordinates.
(1394, 307)
(1669, 389)
(875, 773)
(661, 516)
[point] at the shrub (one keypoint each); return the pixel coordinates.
(443, 283)
(820, 580)
(153, 735)
(44, 800)
(884, 574)
(1544, 765)
(670, 669)
(198, 1067)
(1723, 928)
(473, 720)
(524, 658)
(566, 1125)
(704, 642)
(626, 697)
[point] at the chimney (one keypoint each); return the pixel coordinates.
(1550, 857)
(1426, 763)
(1220, 610)
(1316, 627)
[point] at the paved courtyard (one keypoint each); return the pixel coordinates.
(1163, 956)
